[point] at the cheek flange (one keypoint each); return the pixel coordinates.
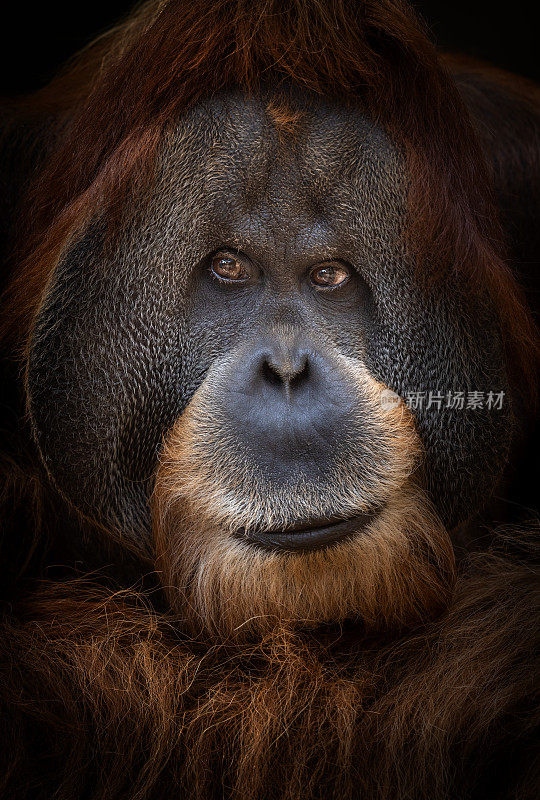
(103, 384)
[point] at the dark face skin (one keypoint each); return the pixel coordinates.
(307, 234)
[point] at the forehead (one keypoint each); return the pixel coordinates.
(300, 174)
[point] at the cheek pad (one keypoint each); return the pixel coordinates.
(443, 343)
(109, 373)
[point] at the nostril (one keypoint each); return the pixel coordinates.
(270, 374)
(301, 372)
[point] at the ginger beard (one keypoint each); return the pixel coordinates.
(395, 571)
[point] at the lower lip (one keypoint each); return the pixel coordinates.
(306, 538)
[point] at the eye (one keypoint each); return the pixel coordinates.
(329, 276)
(229, 269)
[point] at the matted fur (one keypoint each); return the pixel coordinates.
(399, 569)
(107, 703)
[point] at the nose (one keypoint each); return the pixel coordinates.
(285, 366)
(288, 402)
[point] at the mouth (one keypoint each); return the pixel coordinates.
(311, 535)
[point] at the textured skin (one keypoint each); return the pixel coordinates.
(123, 340)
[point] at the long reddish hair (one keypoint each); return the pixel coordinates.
(102, 695)
(103, 699)
(115, 101)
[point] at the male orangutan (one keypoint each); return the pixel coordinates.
(268, 414)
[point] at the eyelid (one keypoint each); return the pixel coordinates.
(332, 288)
(225, 280)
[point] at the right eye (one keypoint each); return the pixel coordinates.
(229, 269)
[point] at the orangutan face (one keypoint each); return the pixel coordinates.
(244, 357)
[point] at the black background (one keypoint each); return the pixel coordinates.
(37, 40)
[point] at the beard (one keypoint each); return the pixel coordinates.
(110, 696)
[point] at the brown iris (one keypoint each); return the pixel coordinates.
(228, 268)
(329, 276)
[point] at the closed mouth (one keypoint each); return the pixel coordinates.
(311, 535)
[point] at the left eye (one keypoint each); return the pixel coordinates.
(228, 268)
(329, 276)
